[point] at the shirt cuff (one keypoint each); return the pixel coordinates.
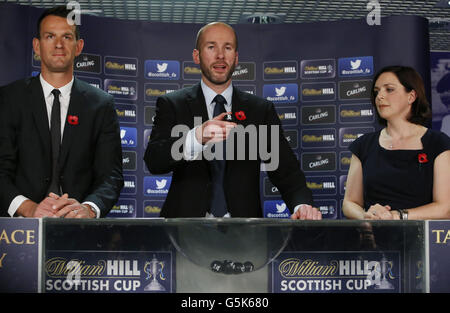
(297, 207)
(15, 204)
(192, 147)
(95, 207)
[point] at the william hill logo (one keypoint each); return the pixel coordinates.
(192, 70)
(126, 113)
(351, 137)
(152, 209)
(280, 70)
(117, 66)
(322, 185)
(287, 116)
(335, 272)
(144, 271)
(346, 161)
(318, 138)
(153, 92)
(355, 113)
(318, 91)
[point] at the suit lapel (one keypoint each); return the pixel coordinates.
(196, 103)
(240, 104)
(74, 114)
(40, 116)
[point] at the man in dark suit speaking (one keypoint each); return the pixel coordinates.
(203, 186)
(60, 149)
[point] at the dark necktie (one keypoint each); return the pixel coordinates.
(218, 201)
(55, 131)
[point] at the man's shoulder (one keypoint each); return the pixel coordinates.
(18, 85)
(89, 90)
(243, 96)
(183, 93)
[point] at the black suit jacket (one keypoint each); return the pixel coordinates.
(91, 152)
(190, 190)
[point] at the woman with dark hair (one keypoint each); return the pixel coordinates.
(403, 170)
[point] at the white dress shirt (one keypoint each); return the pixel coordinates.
(64, 99)
(192, 147)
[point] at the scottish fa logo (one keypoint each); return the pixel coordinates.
(356, 66)
(156, 186)
(280, 91)
(160, 184)
(280, 207)
(162, 69)
(128, 136)
(276, 209)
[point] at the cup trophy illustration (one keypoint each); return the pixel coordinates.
(153, 269)
(385, 268)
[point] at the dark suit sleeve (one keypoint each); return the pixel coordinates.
(159, 157)
(8, 154)
(107, 166)
(288, 177)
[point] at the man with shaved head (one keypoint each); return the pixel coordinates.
(219, 187)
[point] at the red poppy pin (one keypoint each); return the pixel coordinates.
(240, 115)
(422, 157)
(72, 119)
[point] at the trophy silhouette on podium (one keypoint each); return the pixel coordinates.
(385, 267)
(152, 269)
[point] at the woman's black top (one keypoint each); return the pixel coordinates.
(400, 178)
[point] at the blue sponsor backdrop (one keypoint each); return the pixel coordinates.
(138, 61)
(19, 254)
(440, 90)
(439, 255)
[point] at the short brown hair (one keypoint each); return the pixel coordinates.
(411, 80)
(60, 11)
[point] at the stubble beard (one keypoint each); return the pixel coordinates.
(208, 74)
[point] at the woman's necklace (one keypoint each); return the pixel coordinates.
(399, 141)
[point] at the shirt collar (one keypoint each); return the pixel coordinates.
(210, 94)
(47, 88)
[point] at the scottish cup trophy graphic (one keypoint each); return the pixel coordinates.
(153, 269)
(386, 267)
